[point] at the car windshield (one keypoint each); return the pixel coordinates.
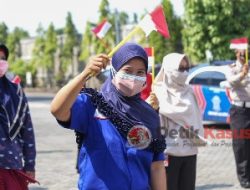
(210, 78)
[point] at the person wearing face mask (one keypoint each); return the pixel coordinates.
(17, 141)
(122, 147)
(239, 79)
(180, 119)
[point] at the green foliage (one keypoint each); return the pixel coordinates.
(86, 43)
(38, 50)
(37, 60)
(104, 9)
(162, 45)
(71, 40)
(59, 31)
(210, 25)
(13, 43)
(19, 67)
(49, 54)
(50, 47)
(124, 18)
(3, 33)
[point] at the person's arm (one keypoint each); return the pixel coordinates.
(236, 79)
(66, 96)
(158, 176)
(29, 146)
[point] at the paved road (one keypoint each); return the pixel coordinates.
(56, 148)
(57, 154)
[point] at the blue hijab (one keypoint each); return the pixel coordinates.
(133, 109)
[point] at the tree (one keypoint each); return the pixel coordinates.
(161, 45)
(209, 25)
(13, 43)
(3, 33)
(70, 41)
(86, 44)
(38, 51)
(49, 53)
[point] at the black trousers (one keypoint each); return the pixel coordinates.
(240, 126)
(181, 172)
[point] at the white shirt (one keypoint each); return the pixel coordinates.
(178, 143)
(239, 89)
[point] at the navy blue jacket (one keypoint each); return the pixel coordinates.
(17, 142)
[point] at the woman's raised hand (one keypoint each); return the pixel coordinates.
(96, 64)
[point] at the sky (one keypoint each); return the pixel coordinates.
(27, 14)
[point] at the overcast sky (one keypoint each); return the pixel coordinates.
(27, 14)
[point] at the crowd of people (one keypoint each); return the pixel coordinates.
(121, 144)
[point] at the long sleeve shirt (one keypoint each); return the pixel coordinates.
(17, 141)
(239, 89)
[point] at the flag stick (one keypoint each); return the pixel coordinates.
(135, 30)
(104, 43)
(153, 64)
(246, 55)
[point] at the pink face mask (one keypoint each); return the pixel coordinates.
(3, 67)
(129, 85)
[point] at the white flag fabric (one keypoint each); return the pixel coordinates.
(147, 25)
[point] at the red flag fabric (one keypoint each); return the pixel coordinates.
(160, 22)
(155, 21)
(239, 43)
(101, 29)
(147, 89)
(149, 51)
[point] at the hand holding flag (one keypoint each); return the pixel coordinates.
(240, 43)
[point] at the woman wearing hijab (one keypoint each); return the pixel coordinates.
(122, 148)
(17, 140)
(181, 118)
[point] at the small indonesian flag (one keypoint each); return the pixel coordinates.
(16, 80)
(150, 53)
(155, 21)
(101, 29)
(239, 43)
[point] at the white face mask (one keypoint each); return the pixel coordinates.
(129, 85)
(179, 77)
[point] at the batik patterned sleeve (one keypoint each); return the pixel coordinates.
(29, 147)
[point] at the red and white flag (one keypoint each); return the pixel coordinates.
(16, 80)
(101, 29)
(150, 53)
(155, 21)
(239, 43)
